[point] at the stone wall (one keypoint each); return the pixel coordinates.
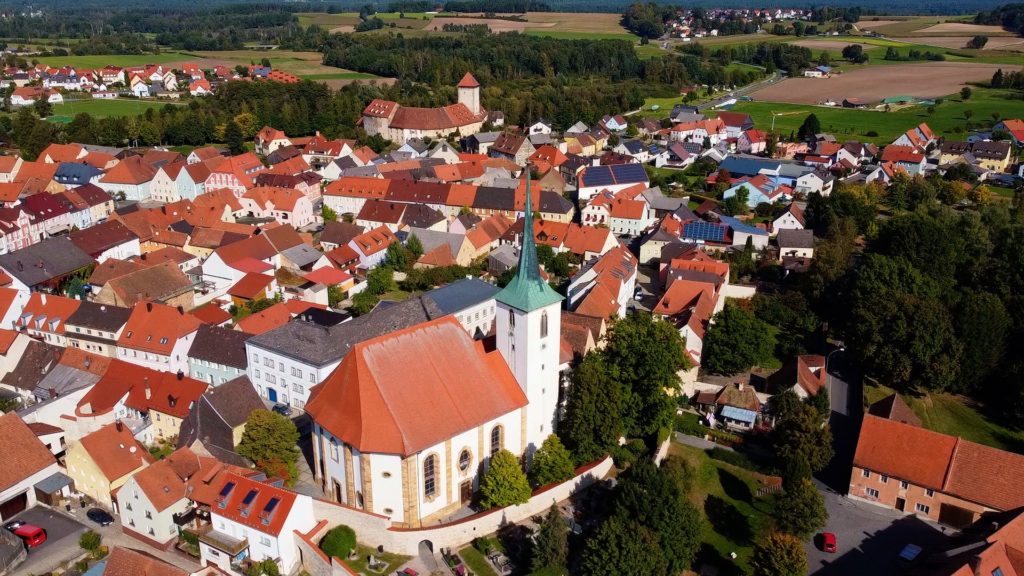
(375, 530)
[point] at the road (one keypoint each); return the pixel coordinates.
(846, 395)
(742, 91)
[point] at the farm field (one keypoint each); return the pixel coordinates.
(962, 29)
(117, 60)
(872, 83)
(302, 64)
(903, 25)
(105, 108)
(948, 118)
(956, 42)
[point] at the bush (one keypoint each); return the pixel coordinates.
(339, 542)
(689, 424)
(90, 540)
(628, 454)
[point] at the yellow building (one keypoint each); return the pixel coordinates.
(101, 462)
(994, 156)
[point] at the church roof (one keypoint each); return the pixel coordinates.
(528, 291)
(468, 82)
(376, 403)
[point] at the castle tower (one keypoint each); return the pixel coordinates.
(528, 331)
(469, 93)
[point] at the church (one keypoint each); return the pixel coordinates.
(406, 425)
(398, 123)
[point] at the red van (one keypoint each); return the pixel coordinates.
(31, 535)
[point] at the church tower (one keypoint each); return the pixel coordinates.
(528, 332)
(469, 93)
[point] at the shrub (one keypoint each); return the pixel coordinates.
(689, 424)
(339, 542)
(90, 540)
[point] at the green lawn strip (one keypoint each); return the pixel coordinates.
(650, 51)
(565, 35)
(953, 415)
(476, 561)
(360, 565)
(340, 76)
(726, 493)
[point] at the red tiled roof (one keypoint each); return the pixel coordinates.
(375, 240)
(115, 452)
(376, 404)
(265, 320)
(7, 338)
(43, 314)
(24, 454)
(468, 82)
(327, 276)
(156, 328)
(211, 314)
(251, 286)
(254, 517)
(907, 154)
(131, 170)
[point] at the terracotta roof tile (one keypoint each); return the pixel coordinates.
(156, 328)
(115, 451)
(24, 454)
(265, 320)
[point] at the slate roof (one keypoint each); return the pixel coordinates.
(38, 359)
(340, 233)
(48, 260)
(461, 294)
(101, 317)
(789, 238)
(220, 346)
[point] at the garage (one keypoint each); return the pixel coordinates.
(14, 506)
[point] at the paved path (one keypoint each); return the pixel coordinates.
(699, 442)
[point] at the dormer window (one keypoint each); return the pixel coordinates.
(163, 340)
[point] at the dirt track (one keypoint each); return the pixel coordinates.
(871, 84)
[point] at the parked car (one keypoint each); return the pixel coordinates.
(828, 542)
(31, 535)
(100, 516)
(283, 409)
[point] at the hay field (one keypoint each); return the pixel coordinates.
(1012, 43)
(962, 29)
(872, 83)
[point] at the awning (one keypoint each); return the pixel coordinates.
(53, 483)
(739, 414)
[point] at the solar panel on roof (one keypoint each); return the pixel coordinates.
(701, 230)
(598, 176)
(227, 489)
(271, 505)
(627, 173)
(249, 497)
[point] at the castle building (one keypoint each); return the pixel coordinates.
(407, 423)
(398, 123)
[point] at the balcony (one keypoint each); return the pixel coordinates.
(226, 543)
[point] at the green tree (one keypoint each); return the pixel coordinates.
(233, 137)
(592, 424)
(779, 554)
(809, 128)
(551, 463)
(265, 567)
(270, 440)
(414, 246)
(800, 511)
(736, 340)
(965, 93)
(821, 403)
(644, 355)
(42, 107)
(784, 404)
(674, 520)
(997, 79)
(339, 542)
(801, 435)
(327, 214)
(978, 42)
(551, 545)
(90, 541)
(504, 483)
(380, 280)
(397, 257)
(623, 547)
(983, 326)
(363, 302)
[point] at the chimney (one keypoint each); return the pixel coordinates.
(181, 375)
(181, 310)
(119, 425)
(171, 401)
(741, 386)
(149, 306)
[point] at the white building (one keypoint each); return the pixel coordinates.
(29, 462)
(255, 521)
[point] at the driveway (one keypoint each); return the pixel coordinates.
(869, 538)
(61, 546)
(846, 395)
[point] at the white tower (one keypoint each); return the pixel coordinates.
(528, 331)
(469, 93)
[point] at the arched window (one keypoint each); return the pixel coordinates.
(495, 440)
(430, 476)
(465, 459)
(543, 324)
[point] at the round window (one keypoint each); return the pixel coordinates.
(386, 474)
(464, 460)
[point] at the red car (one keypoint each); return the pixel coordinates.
(30, 534)
(828, 542)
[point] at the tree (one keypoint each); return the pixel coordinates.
(339, 542)
(965, 93)
(853, 52)
(784, 404)
(779, 554)
(623, 547)
(43, 107)
(592, 425)
(266, 567)
(414, 246)
(551, 463)
(397, 257)
(997, 79)
(90, 541)
(811, 126)
(551, 545)
(983, 328)
(327, 214)
(363, 302)
(270, 441)
(821, 402)
(233, 137)
(736, 340)
(801, 435)
(978, 42)
(380, 280)
(645, 355)
(800, 511)
(673, 520)
(504, 483)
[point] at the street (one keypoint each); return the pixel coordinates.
(845, 395)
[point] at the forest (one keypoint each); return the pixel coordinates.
(1009, 16)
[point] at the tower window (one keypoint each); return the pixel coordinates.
(495, 440)
(544, 325)
(430, 476)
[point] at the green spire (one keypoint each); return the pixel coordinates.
(528, 291)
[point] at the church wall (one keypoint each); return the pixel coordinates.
(386, 477)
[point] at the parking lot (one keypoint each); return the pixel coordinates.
(868, 538)
(62, 532)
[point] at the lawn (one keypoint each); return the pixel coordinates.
(736, 517)
(393, 561)
(105, 108)
(652, 50)
(341, 76)
(302, 64)
(477, 562)
(954, 415)
(574, 35)
(116, 60)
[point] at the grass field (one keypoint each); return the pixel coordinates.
(116, 60)
(850, 123)
(104, 108)
(735, 516)
(954, 415)
(477, 562)
(302, 64)
(569, 35)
